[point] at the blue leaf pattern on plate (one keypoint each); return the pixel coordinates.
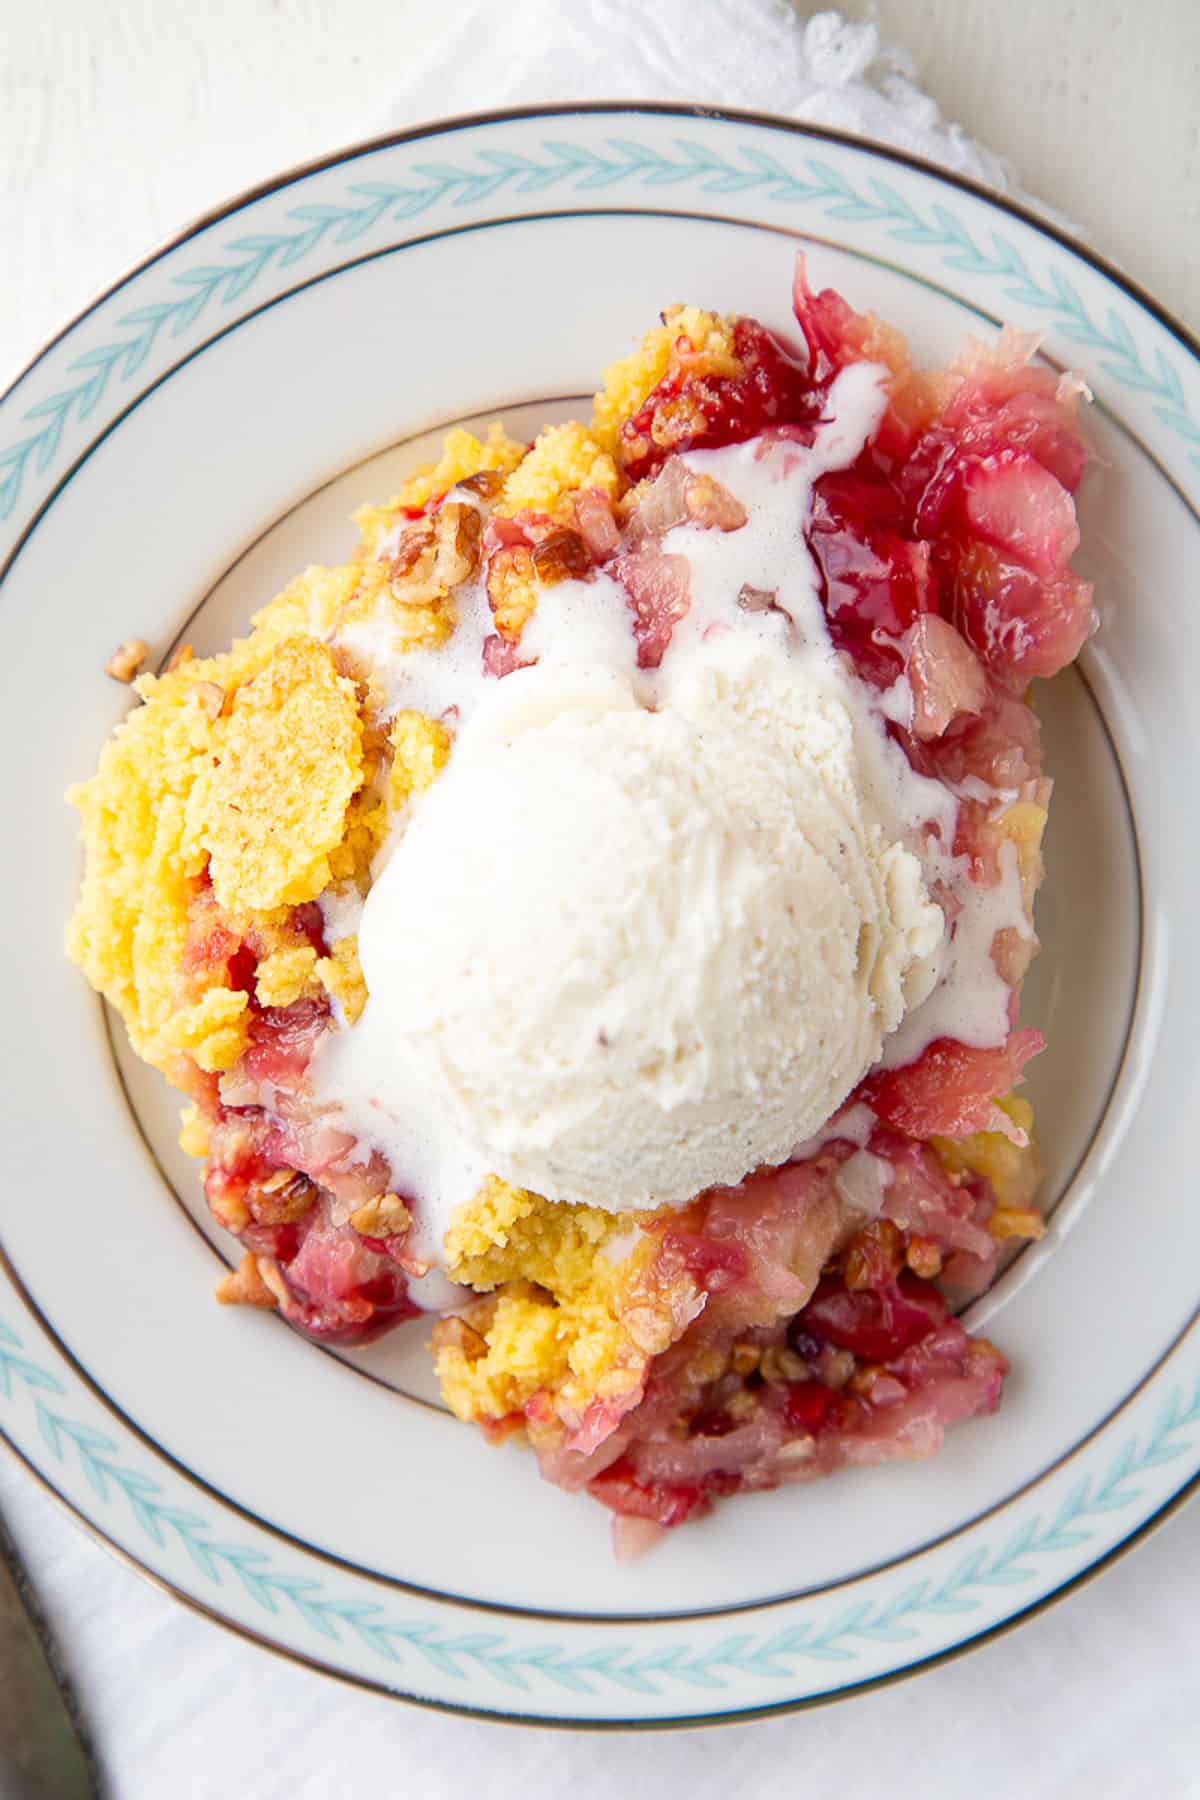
(582, 169)
(612, 1666)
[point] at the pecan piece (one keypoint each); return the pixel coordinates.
(211, 696)
(126, 660)
(512, 589)
(457, 530)
(778, 1363)
(410, 547)
(384, 1217)
(455, 1334)
(487, 483)
(876, 1252)
(562, 556)
(924, 1258)
(244, 1286)
(283, 1198)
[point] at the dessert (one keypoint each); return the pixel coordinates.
(595, 916)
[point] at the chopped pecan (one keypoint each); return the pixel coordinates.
(244, 1286)
(456, 1334)
(837, 1366)
(708, 1364)
(778, 1363)
(409, 548)
(487, 483)
(876, 1252)
(126, 660)
(433, 555)
(512, 588)
(211, 696)
(457, 530)
(710, 503)
(924, 1258)
(384, 1217)
(563, 556)
(283, 1198)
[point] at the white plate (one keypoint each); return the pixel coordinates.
(193, 438)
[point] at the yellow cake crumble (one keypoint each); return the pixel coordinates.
(564, 460)
(558, 1326)
(463, 455)
(286, 976)
(630, 382)
(420, 750)
(1014, 1170)
(129, 927)
(340, 974)
(288, 761)
(213, 1031)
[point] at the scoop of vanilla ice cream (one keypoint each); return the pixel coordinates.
(630, 954)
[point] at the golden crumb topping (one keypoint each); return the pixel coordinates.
(573, 1351)
(316, 602)
(630, 382)
(340, 974)
(420, 749)
(214, 1030)
(1014, 1170)
(195, 1132)
(1023, 824)
(385, 1216)
(558, 1325)
(463, 455)
(288, 762)
(129, 927)
(286, 976)
(565, 460)
(506, 1232)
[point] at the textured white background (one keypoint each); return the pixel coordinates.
(119, 119)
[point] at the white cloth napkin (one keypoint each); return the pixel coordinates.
(180, 1708)
(758, 54)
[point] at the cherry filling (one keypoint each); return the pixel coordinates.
(286, 1185)
(876, 582)
(873, 1365)
(961, 506)
(692, 409)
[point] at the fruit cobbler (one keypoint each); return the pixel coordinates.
(595, 915)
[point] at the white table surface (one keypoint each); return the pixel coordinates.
(119, 119)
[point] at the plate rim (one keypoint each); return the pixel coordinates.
(356, 147)
(347, 154)
(1140, 1534)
